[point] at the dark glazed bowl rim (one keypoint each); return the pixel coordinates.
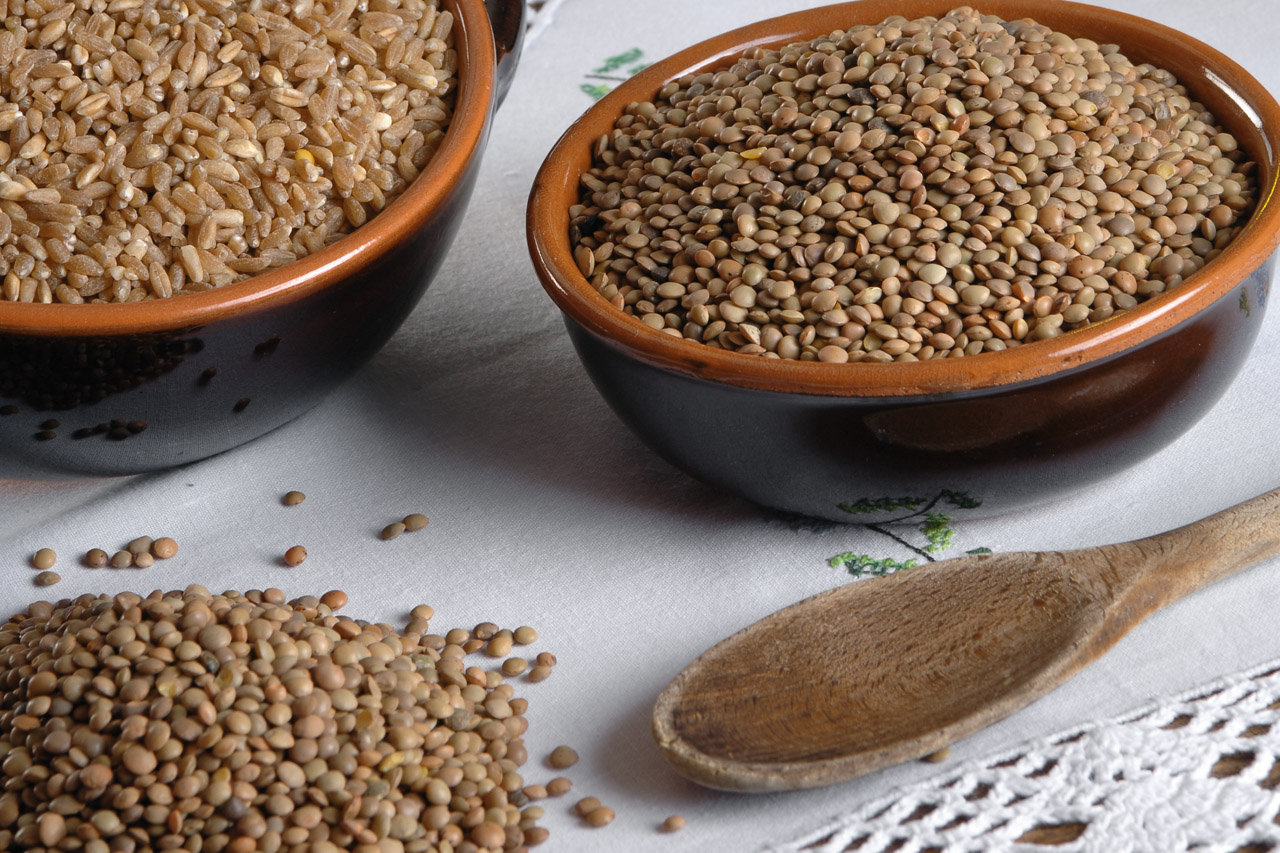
(474, 42)
(1237, 99)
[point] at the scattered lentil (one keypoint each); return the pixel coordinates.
(160, 150)
(122, 559)
(415, 522)
(145, 560)
(141, 545)
(295, 555)
(539, 673)
(164, 548)
(391, 531)
(562, 757)
(559, 786)
(96, 558)
(586, 806)
(939, 756)
(44, 558)
(546, 659)
(524, 635)
(293, 498)
(602, 816)
(47, 578)
(334, 599)
(907, 191)
(514, 666)
(675, 823)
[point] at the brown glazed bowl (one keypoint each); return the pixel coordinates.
(102, 389)
(985, 434)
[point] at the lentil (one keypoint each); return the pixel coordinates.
(141, 545)
(988, 171)
(602, 816)
(414, 522)
(44, 558)
(295, 555)
(559, 786)
(162, 149)
(586, 806)
(293, 498)
(47, 578)
(144, 560)
(391, 531)
(224, 746)
(164, 548)
(562, 757)
(122, 559)
(96, 558)
(675, 823)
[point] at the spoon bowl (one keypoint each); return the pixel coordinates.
(882, 671)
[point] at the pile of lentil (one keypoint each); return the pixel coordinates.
(242, 722)
(913, 190)
(153, 147)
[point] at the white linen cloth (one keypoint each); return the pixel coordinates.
(545, 510)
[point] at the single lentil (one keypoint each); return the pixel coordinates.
(122, 559)
(938, 756)
(908, 191)
(586, 806)
(141, 545)
(524, 635)
(145, 560)
(44, 558)
(539, 673)
(96, 558)
(334, 599)
(293, 498)
(295, 555)
(562, 757)
(559, 786)
(391, 531)
(602, 816)
(414, 522)
(675, 823)
(164, 548)
(47, 578)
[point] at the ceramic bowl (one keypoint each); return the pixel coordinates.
(1002, 430)
(121, 389)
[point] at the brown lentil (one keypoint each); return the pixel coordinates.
(364, 742)
(143, 560)
(938, 756)
(141, 545)
(514, 666)
(539, 673)
(155, 149)
(122, 559)
(334, 599)
(414, 522)
(295, 555)
(559, 786)
(908, 191)
(96, 558)
(524, 635)
(602, 816)
(293, 498)
(47, 578)
(391, 531)
(586, 806)
(675, 823)
(164, 548)
(44, 558)
(562, 757)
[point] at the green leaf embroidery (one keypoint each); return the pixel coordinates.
(861, 565)
(938, 531)
(867, 505)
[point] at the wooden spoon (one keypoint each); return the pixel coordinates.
(881, 671)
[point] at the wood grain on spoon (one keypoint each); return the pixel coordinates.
(882, 671)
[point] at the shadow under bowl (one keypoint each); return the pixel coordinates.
(102, 389)
(977, 435)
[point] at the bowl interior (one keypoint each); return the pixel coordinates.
(476, 74)
(1236, 98)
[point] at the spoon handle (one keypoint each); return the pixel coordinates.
(1160, 569)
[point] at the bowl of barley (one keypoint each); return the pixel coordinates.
(876, 255)
(211, 215)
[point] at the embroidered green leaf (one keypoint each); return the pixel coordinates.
(938, 531)
(596, 90)
(960, 500)
(973, 552)
(861, 565)
(868, 505)
(613, 63)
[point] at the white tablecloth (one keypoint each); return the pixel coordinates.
(546, 511)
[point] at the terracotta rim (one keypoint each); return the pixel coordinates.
(476, 73)
(1237, 99)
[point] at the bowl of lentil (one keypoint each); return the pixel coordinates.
(846, 264)
(211, 216)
